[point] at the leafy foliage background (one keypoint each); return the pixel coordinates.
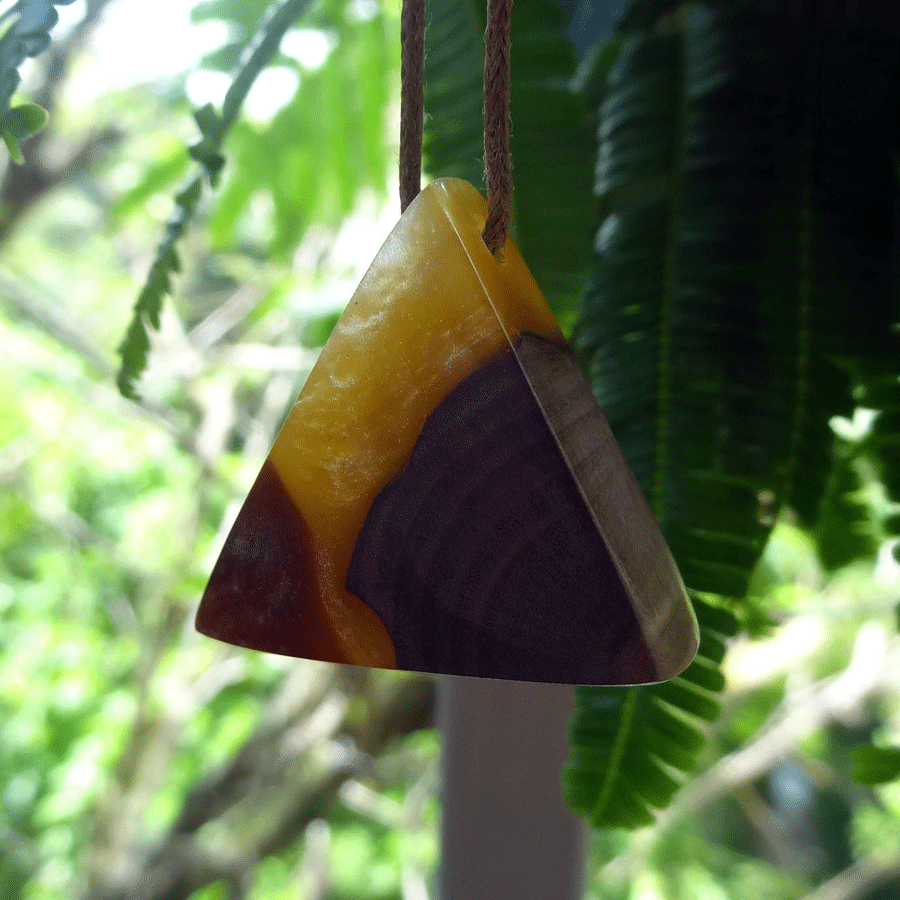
(715, 327)
(709, 200)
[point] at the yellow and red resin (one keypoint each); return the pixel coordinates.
(434, 307)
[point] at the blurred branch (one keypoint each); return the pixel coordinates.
(284, 777)
(874, 669)
(236, 308)
(47, 317)
(312, 875)
(860, 879)
(49, 320)
(770, 828)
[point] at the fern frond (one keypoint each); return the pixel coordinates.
(214, 127)
(738, 284)
(632, 747)
(148, 308)
(715, 331)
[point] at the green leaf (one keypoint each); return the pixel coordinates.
(133, 350)
(12, 145)
(881, 392)
(645, 13)
(24, 120)
(156, 177)
(846, 529)
(26, 36)
(148, 308)
(715, 331)
(592, 77)
(316, 154)
(208, 121)
(875, 765)
(657, 332)
(630, 748)
(317, 330)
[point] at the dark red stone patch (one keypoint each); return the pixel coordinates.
(262, 592)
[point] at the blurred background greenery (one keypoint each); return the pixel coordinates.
(139, 760)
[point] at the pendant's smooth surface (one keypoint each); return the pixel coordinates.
(445, 495)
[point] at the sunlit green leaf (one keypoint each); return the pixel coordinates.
(875, 765)
(12, 145)
(24, 120)
(156, 177)
(846, 528)
(317, 330)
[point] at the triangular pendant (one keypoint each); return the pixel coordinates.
(445, 495)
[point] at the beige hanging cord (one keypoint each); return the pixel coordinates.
(412, 106)
(497, 160)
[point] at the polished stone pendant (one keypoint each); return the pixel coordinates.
(446, 495)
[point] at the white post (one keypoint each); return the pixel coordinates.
(505, 833)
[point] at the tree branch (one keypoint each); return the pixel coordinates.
(285, 776)
(860, 879)
(874, 669)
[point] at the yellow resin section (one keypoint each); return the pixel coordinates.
(434, 307)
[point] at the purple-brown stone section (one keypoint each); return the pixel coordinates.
(483, 559)
(262, 592)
